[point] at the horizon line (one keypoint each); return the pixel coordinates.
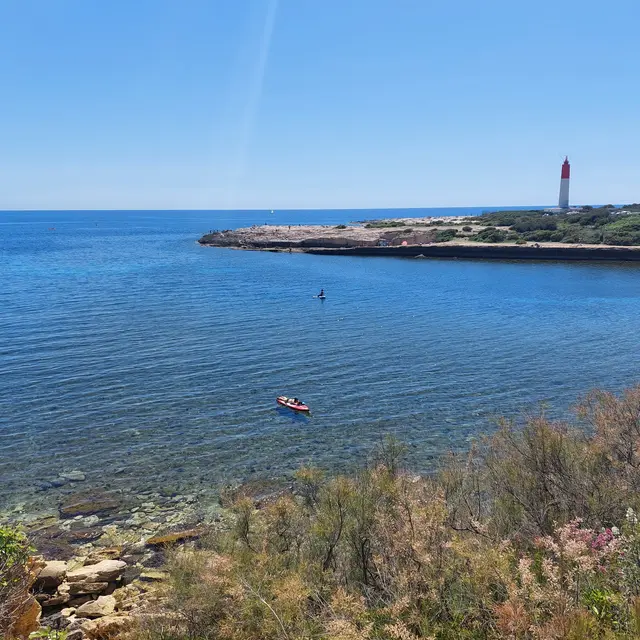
(287, 210)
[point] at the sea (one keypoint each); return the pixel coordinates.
(144, 361)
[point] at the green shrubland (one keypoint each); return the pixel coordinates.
(532, 535)
(602, 225)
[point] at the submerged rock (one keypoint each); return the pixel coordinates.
(86, 504)
(74, 476)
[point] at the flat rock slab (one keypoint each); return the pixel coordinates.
(84, 588)
(105, 571)
(86, 504)
(174, 538)
(103, 606)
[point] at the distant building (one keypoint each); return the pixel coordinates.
(563, 200)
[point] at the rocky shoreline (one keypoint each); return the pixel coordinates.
(95, 596)
(421, 237)
(100, 558)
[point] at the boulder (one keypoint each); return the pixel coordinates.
(104, 571)
(76, 634)
(84, 588)
(111, 626)
(51, 575)
(103, 606)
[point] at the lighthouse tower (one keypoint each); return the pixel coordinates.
(563, 200)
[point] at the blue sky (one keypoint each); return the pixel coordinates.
(316, 103)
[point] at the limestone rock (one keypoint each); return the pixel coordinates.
(51, 575)
(27, 621)
(104, 571)
(103, 606)
(153, 576)
(78, 601)
(76, 623)
(47, 600)
(107, 553)
(173, 538)
(106, 628)
(84, 588)
(86, 504)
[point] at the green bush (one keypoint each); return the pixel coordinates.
(490, 234)
(444, 235)
(340, 226)
(544, 236)
(532, 223)
(467, 228)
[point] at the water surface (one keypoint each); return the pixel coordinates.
(134, 355)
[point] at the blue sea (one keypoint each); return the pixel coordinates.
(133, 355)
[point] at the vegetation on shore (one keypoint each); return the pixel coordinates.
(15, 578)
(533, 535)
(603, 225)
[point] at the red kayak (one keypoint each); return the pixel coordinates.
(292, 403)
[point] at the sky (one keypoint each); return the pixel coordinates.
(294, 104)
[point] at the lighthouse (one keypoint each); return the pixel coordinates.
(563, 200)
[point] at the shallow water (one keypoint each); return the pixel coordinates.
(134, 355)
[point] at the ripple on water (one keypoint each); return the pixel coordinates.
(143, 360)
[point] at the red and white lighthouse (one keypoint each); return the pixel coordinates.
(563, 200)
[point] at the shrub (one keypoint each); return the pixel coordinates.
(14, 577)
(534, 223)
(444, 235)
(534, 534)
(490, 234)
(340, 226)
(467, 228)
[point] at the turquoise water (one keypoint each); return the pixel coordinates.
(130, 353)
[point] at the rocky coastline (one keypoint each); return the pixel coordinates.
(98, 560)
(421, 238)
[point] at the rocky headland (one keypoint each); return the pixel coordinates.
(444, 237)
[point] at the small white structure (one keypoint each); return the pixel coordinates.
(563, 200)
